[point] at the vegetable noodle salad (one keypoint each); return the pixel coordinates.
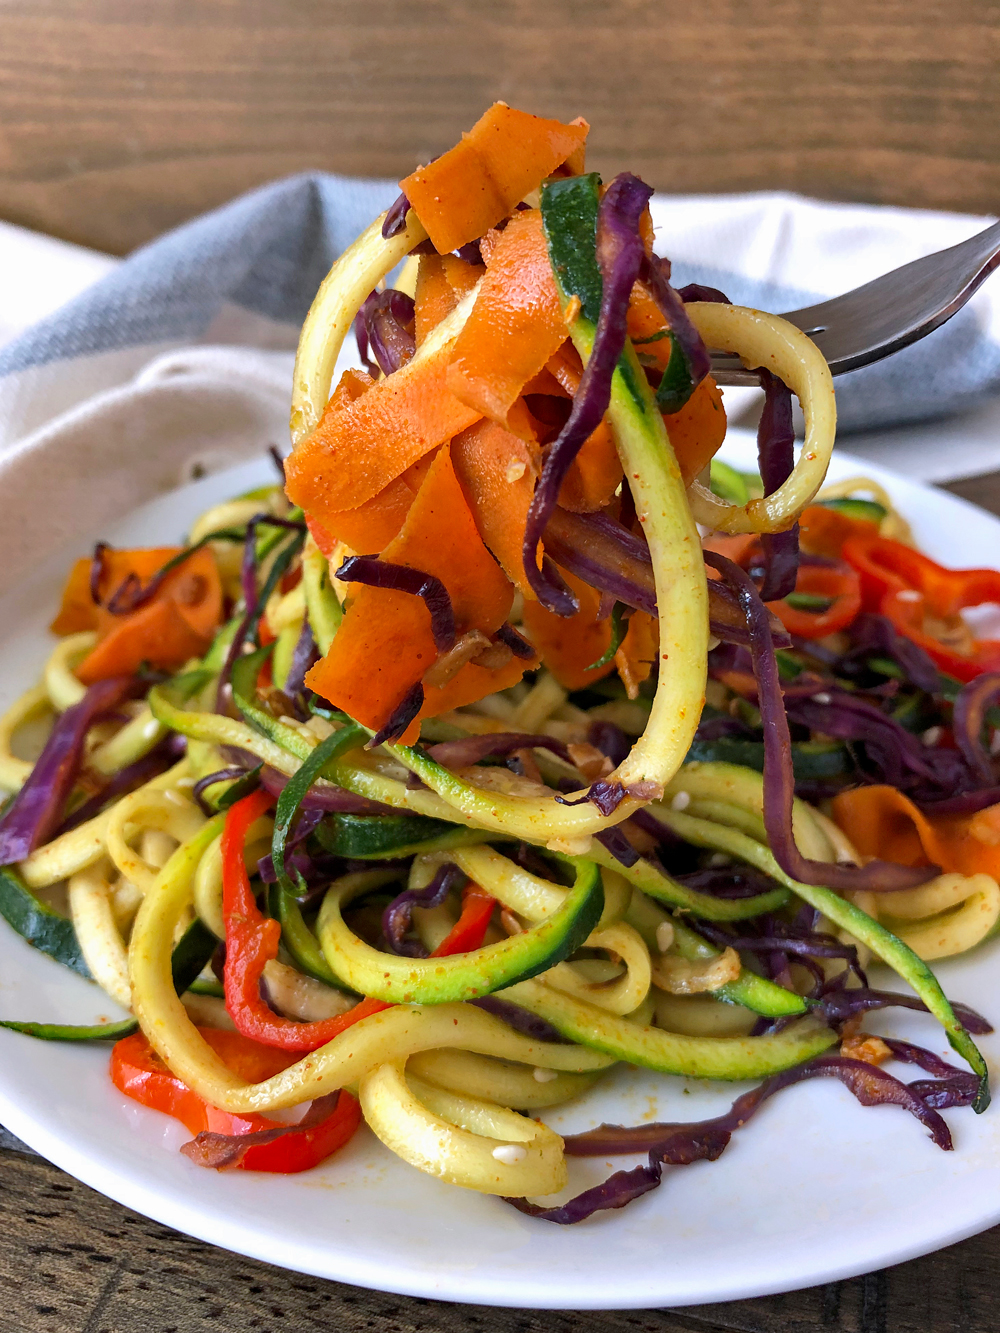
(513, 736)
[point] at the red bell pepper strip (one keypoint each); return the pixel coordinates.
(903, 585)
(250, 1142)
(252, 941)
(841, 585)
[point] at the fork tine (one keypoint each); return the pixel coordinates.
(889, 313)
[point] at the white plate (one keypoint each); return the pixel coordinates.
(816, 1188)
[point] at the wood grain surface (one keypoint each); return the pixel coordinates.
(73, 1262)
(120, 118)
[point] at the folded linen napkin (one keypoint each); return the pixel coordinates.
(179, 357)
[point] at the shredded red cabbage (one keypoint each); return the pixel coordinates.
(620, 255)
(775, 437)
(682, 1144)
(376, 573)
(400, 717)
(685, 338)
(874, 636)
(303, 657)
(332, 800)
(209, 780)
(840, 1003)
(694, 291)
(615, 841)
(305, 825)
(398, 916)
(521, 1020)
(779, 779)
(124, 781)
(968, 716)
(227, 1150)
(610, 740)
(37, 809)
(388, 319)
(395, 219)
(518, 645)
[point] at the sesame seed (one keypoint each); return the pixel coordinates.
(931, 736)
(151, 729)
(908, 595)
(681, 801)
(544, 1076)
(510, 1154)
(515, 471)
(664, 936)
(822, 698)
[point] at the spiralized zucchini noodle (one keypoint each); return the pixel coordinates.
(514, 736)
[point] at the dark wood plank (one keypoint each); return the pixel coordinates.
(73, 1262)
(118, 120)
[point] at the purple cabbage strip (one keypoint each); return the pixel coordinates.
(615, 841)
(517, 644)
(36, 810)
(376, 573)
(388, 320)
(775, 436)
(326, 797)
(304, 826)
(735, 881)
(521, 1020)
(361, 335)
(970, 707)
(873, 635)
(683, 1144)
(248, 581)
(400, 717)
(610, 740)
(779, 779)
(494, 745)
(841, 1003)
(121, 783)
(620, 254)
(655, 273)
(395, 219)
(398, 916)
(968, 803)
(209, 780)
(694, 291)
(303, 657)
(97, 571)
(277, 460)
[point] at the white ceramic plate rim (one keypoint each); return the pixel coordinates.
(542, 1269)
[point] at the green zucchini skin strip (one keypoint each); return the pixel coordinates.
(885, 945)
(323, 610)
(725, 1058)
(44, 929)
(377, 837)
(754, 992)
(294, 792)
(666, 890)
(400, 980)
(297, 938)
(191, 952)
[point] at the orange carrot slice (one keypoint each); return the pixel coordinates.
(882, 822)
(497, 472)
(384, 644)
(357, 449)
(698, 429)
(569, 644)
(442, 281)
(594, 475)
(373, 525)
(477, 183)
(515, 326)
(176, 625)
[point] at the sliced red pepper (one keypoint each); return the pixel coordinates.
(904, 585)
(469, 930)
(840, 584)
(250, 1142)
(252, 941)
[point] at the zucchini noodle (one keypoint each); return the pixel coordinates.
(458, 937)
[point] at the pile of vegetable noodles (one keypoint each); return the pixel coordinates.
(430, 785)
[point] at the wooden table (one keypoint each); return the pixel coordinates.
(120, 119)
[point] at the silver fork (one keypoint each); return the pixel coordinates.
(889, 313)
